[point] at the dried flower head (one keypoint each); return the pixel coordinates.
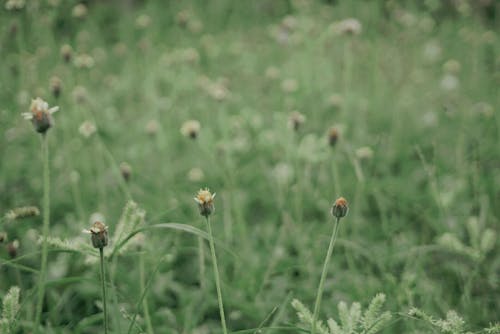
(87, 129)
(152, 127)
(79, 11)
(191, 129)
(333, 136)
(55, 86)
(99, 234)
(296, 120)
(340, 208)
(205, 200)
(41, 115)
(3, 237)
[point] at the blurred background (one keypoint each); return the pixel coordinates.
(279, 107)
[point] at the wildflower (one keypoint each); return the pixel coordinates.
(195, 175)
(80, 94)
(340, 207)
(289, 85)
(195, 26)
(272, 73)
(87, 129)
(55, 86)
(99, 235)
(15, 4)
(66, 52)
(41, 115)
(3, 237)
(349, 26)
(333, 136)
(205, 201)
(22, 212)
(191, 129)
(183, 17)
(152, 127)
(449, 83)
(452, 66)
(12, 248)
(126, 171)
(84, 61)
(143, 21)
(335, 101)
(79, 11)
(296, 120)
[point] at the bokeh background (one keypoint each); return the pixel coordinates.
(279, 107)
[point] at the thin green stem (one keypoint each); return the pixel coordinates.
(45, 232)
(103, 284)
(145, 306)
(323, 276)
(216, 275)
(201, 260)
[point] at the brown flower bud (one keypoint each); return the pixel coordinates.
(205, 201)
(12, 248)
(3, 237)
(333, 136)
(340, 208)
(126, 171)
(55, 86)
(99, 235)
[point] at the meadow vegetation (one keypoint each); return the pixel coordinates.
(280, 108)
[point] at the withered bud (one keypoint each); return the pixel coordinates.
(12, 248)
(191, 129)
(296, 120)
(3, 237)
(99, 235)
(333, 136)
(340, 208)
(205, 200)
(55, 86)
(126, 171)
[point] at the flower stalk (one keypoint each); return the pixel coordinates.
(339, 210)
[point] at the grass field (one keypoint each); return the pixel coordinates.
(278, 107)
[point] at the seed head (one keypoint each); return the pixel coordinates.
(99, 234)
(126, 171)
(205, 200)
(3, 237)
(40, 115)
(22, 212)
(340, 208)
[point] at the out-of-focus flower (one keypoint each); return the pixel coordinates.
(84, 61)
(79, 11)
(15, 4)
(87, 129)
(55, 86)
(289, 85)
(333, 136)
(449, 82)
(12, 248)
(348, 26)
(283, 173)
(152, 127)
(143, 21)
(66, 52)
(452, 66)
(191, 129)
(295, 120)
(340, 208)
(432, 51)
(195, 174)
(272, 73)
(80, 94)
(41, 115)
(126, 171)
(335, 101)
(364, 153)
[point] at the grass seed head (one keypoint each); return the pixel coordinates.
(205, 200)
(340, 208)
(41, 115)
(22, 212)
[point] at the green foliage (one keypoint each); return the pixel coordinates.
(10, 310)
(352, 319)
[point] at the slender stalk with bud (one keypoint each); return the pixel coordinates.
(339, 210)
(99, 237)
(40, 116)
(205, 201)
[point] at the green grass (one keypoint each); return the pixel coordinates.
(423, 220)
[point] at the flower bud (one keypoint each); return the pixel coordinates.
(99, 235)
(55, 86)
(126, 171)
(205, 201)
(12, 248)
(3, 237)
(340, 208)
(333, 136)
(41, 115)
